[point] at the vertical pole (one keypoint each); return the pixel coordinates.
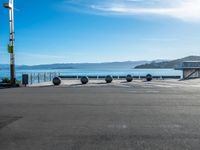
(45, 77)
(50, 77)
(11, 44)
(38, 77)
(31, 76)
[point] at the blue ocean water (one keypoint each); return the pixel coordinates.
(90, 72)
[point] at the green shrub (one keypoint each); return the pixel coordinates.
(5, 80)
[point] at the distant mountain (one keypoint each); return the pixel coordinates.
(167, 64)
(126, 64)
(4, 66)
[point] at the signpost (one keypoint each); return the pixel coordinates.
(10, 7)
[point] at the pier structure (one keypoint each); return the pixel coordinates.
(191, 69)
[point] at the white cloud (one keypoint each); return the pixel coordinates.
(187, 10)
(28, 55)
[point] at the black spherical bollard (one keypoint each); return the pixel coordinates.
(109, 79)
(149, 77)
(84, 80)
(56, 81)
(129, 78)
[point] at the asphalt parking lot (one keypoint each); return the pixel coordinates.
(100, 118)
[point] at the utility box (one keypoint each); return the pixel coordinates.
(25, 79)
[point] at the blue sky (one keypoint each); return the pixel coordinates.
(74, 31)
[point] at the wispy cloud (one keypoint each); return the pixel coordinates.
(160, 39)
(187, 10)
(42, 56)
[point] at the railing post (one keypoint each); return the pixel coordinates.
(50, 76)
(38, 77)
(161, 78)
(34, 78)
(44, 77)
(31, 78)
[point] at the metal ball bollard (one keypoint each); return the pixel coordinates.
(84, 80)
(149, 77)
(56, 81)
(109, 79)
(129, 78)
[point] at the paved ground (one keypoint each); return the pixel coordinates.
(151, 116)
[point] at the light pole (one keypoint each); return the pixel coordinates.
(10, 7)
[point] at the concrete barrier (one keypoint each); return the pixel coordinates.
(129, 78)
(56, 81)
(84, 80)
(109, 79)
(120, 77)
(149, 77)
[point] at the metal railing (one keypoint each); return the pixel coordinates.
(36, 78)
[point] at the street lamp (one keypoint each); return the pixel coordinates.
(10, 7)
(6, 5)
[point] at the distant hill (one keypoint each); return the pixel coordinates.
(167, 64)
(4, 66)
(126, 64)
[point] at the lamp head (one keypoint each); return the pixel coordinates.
(7, 5)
